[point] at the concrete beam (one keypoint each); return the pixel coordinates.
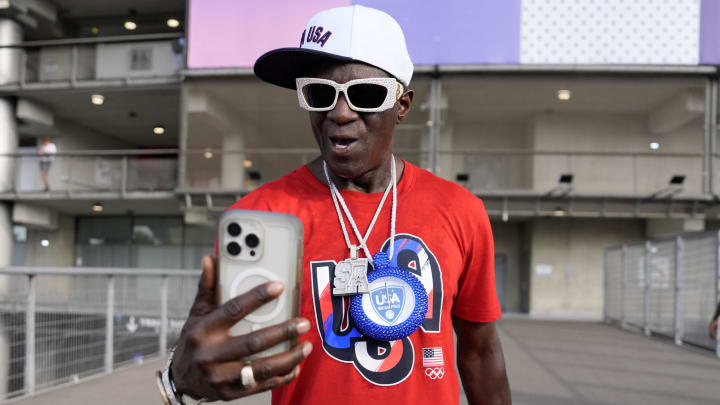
(213, 112)
(677, 112)
(198, 217)
(35, 216)
(41, 8)
(656, 228)
(35, 113)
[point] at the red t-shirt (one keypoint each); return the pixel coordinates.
(443, 236)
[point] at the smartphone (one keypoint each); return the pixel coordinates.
(255, 247)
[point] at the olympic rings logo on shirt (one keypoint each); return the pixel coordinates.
(435, 373)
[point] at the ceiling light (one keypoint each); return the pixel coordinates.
(97, 99)
(158, 130)
(563, 95)
(45, 243)
(247, 163)
(208, 154)
(654, 145)
(173, 23)
(130, 25)
(97, 207)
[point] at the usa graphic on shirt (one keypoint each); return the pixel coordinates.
(433, 362)
(379, 362)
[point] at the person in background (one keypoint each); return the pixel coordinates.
(714, 323)
(47, 151)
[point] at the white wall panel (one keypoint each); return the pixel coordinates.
(610, 32)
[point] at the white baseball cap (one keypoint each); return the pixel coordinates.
(342, 34)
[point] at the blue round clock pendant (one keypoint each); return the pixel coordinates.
(394, 307)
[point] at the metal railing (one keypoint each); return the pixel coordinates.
(58, 325)
(639, 173)
(668, 287)
(207, 170)
(124, 171)
(85, 61)
(120, 171)
(630, 173)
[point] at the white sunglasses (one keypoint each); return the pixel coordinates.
(363, 95)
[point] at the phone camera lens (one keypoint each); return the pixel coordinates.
(233, 248)
(234, 229)
(252, 240)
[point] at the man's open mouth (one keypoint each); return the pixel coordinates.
(341, 144)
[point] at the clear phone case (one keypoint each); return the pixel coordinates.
(255, 247)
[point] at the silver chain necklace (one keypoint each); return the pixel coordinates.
(351, 274)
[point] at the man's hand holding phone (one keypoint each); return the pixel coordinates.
(208, 361)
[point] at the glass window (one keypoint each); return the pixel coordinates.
(157, 231)
(200, 235)
(103, 230)
(20, 233)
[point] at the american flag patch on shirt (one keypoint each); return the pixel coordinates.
(433, 357)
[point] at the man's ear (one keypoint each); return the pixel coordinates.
(404, 105)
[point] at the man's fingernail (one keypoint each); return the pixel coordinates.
(307, 349)
(303, 326)
(275, 288)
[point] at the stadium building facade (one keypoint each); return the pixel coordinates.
(581, 125)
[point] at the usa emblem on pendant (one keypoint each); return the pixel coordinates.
(351, 275)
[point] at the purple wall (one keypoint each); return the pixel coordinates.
(457, 31)
(710, 32)
(231, 33)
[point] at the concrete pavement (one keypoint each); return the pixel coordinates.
(558, 363)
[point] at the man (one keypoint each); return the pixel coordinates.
(46, 150)
(353, 72)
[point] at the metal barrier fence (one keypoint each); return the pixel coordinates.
(667, 287)
(58, 325)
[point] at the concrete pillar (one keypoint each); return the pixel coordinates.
(8, 143)
(232, 174)
(10, 34)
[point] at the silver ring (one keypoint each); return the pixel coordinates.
(247, 377)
